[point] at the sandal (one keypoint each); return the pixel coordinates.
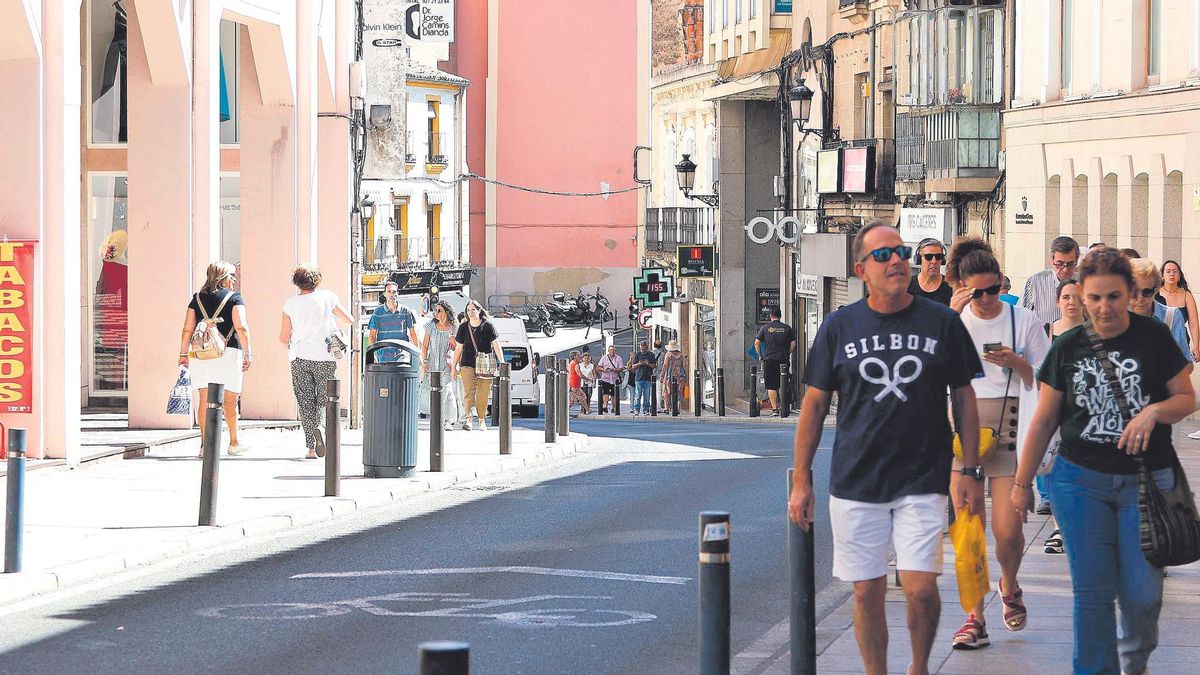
(972, 635)
(1015, 615)
(1054, 543)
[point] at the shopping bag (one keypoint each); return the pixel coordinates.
(180, 400)
(970, 558)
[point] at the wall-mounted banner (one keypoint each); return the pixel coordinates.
(783, 6)
(430, 21)
(653, 287)
(16, 322)
(926, 223)
(697, 262)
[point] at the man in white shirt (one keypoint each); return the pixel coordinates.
(1041, 290)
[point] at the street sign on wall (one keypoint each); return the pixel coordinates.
(764, 300)
(697, 261)
(654, 287)
(430, 21)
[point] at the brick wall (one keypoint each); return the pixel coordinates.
(678, 33)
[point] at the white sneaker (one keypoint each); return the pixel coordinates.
(466, 426)
(236, 450)
(1195, 435)
(483, 425)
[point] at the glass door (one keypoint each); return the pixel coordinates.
(108, 282)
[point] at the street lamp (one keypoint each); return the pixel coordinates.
(367, 207)
(687, 179)
(800, 100)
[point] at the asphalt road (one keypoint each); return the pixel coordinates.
(585, 566)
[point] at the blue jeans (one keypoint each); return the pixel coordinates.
(1042, 485)
(641, 397)
(1098, 516)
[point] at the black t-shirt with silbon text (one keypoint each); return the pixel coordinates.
(776, 338)
(213, 300)
(484, 335)
(892, 373)
(1145, 357)
(942, 294)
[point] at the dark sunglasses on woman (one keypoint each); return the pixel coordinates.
(884, 254)
(990, 290)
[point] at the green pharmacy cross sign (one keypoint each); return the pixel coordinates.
(654, 287)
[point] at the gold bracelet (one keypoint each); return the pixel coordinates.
(1023, 487)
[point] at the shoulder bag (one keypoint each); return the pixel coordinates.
(486, 365)
(1167, 519)
(207, 342)
(988, 435)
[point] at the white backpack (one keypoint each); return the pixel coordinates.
(207, 342)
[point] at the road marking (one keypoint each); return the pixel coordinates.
(516, 569)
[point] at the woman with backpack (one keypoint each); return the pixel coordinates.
(215, 345)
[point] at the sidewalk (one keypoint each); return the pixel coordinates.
(114, 514)
(1046, 644)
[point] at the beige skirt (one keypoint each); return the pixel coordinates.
(1000, 415)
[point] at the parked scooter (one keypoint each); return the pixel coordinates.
(577, 310)
(535, 318)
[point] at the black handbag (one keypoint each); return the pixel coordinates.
(1167, 519)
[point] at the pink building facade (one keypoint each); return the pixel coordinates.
(559, 103)
(146, 139)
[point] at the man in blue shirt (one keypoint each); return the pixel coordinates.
(391, 321)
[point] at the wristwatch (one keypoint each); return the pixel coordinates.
(975, 472)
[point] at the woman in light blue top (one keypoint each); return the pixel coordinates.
(1148, 281)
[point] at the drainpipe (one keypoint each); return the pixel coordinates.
(871, 82)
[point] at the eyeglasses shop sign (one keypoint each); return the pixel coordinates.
(918, 224)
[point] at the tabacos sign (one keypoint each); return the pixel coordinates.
(16, 320)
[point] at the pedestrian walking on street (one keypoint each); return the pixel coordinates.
(1006, 291)
(1012, 343)
(1094, 482)
(1146, 282)
(930, 282)
(774, 345)
(611, 368)
(674, 370)
(587, 376)
(642, 365)
(217, 304)
(575, 385)
(475, 336)
(310, 331)
(391, 321)
(891, 359)
(1040, 290)
(1175, 293)
(437, 352)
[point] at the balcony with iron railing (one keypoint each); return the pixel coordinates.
(668, 227)
(394, 250)
(410, 149)
(437, 149)
(956, 143)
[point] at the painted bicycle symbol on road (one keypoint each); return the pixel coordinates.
(583, 610)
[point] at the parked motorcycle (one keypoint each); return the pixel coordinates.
(535, 318)
(577, 310)
(602, 309)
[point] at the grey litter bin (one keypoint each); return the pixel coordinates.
(390, 411)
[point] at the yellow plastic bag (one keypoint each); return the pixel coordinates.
(970, 558)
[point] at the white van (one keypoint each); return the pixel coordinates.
(518, 353)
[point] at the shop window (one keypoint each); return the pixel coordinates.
(108, 69)
(227, 97)
(108, 276)
(231, 221)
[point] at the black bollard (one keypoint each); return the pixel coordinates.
(653, 398)
(551, 398)
(617, 397)
(444, 658)
(505, 405)
(563, 416)
(495, 412)
(754, 391)
(714, 593)
(333, 439)
(697, 394)
(14, 508)
(802, 577)
(436, 423)
(599, 399)
(784, 406)
(720, 392)
(212, 449)
(674, 397)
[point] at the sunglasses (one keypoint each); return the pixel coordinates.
(1147, 293)
(934, 256)
(990, 290)
(884, 254)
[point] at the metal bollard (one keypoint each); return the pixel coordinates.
(505, 406)
(720, 392)
(803, 605)
(212, 449)
(333, 439)
(617, 397)
(697, 394)
(495, 412)
(563, 417)
(754, 391)
(653, 398)
(714, 593)
(784, 406)
(444, 658)
(551, 390)
(436, 423)
(599, 399)
(674, 397)
(14, 508)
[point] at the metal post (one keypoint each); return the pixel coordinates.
(803, 619)
(333, 439)
(599, 399)
(754, 391)
(783, 390)
(653, 396)
(505, 406)
(720, 392)
(697, 394)
(14, 508)
(563, 417)
(674, 397)
(551, 396)
(445, 658)
(617, 397)
(495, 402)
(212, 448)
(714, 593)
(436, 423)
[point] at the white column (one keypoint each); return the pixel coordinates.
(206, 136)
(306, 131)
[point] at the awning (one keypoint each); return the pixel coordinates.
(747, 76)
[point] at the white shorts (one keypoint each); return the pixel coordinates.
(862, 532)
(226, 370)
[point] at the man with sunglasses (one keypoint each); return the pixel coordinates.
(892, 358)
(1041, 290)
(930, 282)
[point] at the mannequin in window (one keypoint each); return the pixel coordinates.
(111, 107)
